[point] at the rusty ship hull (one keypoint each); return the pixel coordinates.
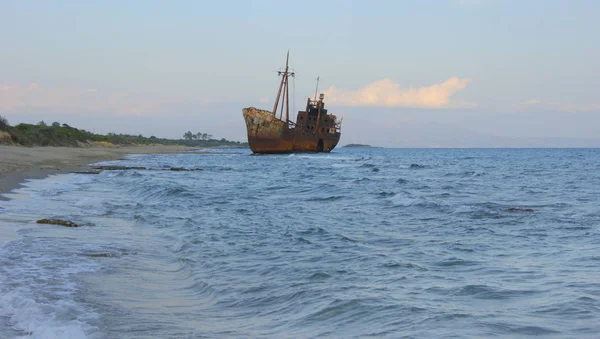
(269, 135)
(315, 130)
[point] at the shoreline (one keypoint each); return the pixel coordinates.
(18, 164)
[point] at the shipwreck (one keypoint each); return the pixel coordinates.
(315, 130)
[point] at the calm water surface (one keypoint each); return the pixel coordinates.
(387, 243)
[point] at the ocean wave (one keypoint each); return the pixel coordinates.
(418, 166)
(328, 198)
(401, 199)
(45, 320)
(38, 298)
(404, 199)
(385, 194)
(465, 174)
(451, 262)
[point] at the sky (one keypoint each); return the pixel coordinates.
(422, 73)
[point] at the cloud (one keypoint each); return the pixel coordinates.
(264, 100)
(6, 88)
(78, 100)
(535, 104)
(531, 102)
(387, 93)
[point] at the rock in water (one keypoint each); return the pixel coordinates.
(99, 255)
(181, 169)
(118, 168)
(66, 223)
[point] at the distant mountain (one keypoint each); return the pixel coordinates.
(360, 146)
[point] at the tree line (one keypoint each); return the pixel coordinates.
(198, 136)
(57, 134)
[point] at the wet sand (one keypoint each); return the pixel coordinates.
(20, 163)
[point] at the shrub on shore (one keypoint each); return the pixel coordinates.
(3, 124)
(5, 138)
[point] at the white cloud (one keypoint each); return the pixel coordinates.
(264, 100)
(387, 93)
(535, 104)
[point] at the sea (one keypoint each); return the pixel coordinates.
(357, 243)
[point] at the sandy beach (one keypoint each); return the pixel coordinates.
(20, 163)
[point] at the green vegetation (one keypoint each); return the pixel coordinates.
(3, 124)
(56, 134)
(198, 136)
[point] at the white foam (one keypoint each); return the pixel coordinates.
(401, 199)
(40, 320)
(341, 165)
(38, 272)
(39, 300)
(178, 246)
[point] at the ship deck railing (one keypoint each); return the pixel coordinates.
(291, 124)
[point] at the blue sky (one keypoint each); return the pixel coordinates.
(510, 69)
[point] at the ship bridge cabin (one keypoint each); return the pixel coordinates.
(315, 119)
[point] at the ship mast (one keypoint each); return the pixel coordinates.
(283, 85)
(317, 89)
